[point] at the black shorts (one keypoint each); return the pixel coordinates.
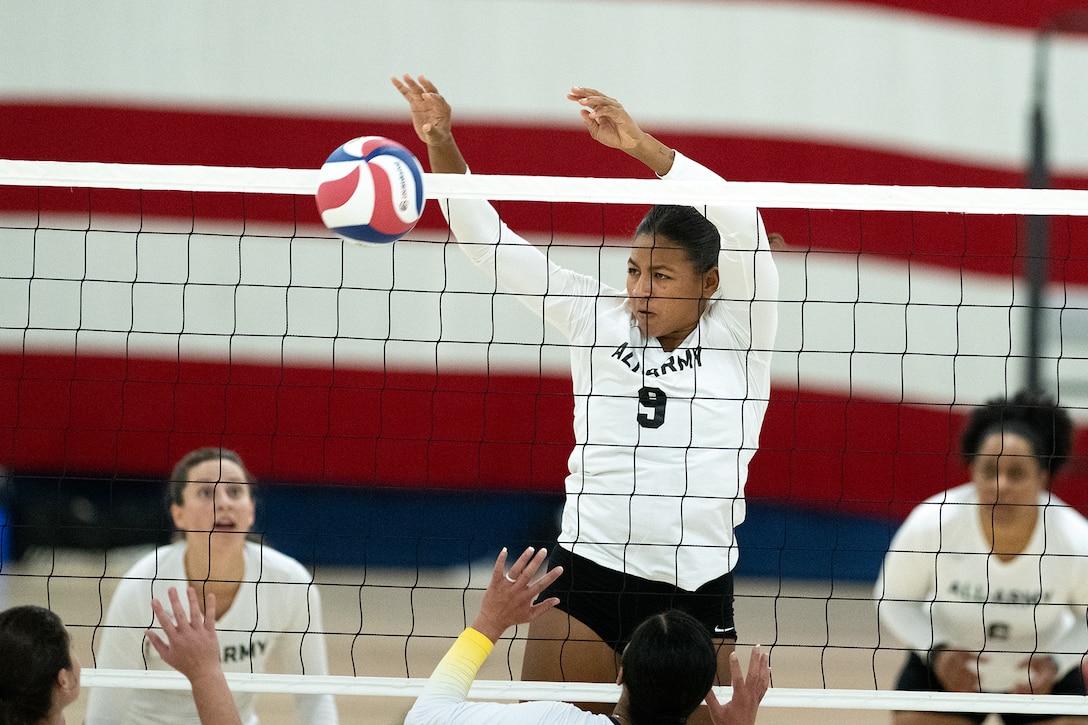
(613, 603)
(917, 676)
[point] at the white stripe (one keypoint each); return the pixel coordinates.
(868, 326)
(838, 73)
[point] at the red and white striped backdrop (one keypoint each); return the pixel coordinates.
(894, 92)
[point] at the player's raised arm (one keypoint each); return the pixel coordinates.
(432, 120)
(510, 598)
(748, 690)
(609, 123)
(192, 648)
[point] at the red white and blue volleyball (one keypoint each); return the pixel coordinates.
(370, 190)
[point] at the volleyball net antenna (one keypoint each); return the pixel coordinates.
(148, 310)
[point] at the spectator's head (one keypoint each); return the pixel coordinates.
(39, 674)
(668, 668)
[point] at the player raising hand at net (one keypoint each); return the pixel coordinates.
(666, 670)
(671, 380)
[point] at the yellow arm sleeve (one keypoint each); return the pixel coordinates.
(454, 674)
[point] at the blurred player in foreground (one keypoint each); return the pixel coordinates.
(666, 671)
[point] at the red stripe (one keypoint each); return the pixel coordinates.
(134, 417)
(59, 132)
(1008, 13)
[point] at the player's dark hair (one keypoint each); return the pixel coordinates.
(684, 225)
(1035, 417)
(668, 668)
(179, 477)
(36, 648)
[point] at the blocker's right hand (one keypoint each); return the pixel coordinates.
(431, 114)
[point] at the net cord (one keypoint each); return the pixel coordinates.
(767, 195)
(785, 697)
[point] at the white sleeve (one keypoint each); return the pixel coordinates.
(447, 688)
(121, 648)
(907, 581)
(1076, 641)
(748, 285)
(517, 266)
(559, 295)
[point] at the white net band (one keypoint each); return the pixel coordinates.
(765, 195)
(410, 687)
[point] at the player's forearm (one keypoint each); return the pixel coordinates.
(445, 157)
(654, 154)
(449, 684)
(214, 704)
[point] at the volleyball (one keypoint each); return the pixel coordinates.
(370, 190)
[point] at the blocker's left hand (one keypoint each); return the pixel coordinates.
(606, 119)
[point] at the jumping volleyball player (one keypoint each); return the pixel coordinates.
(671, 380)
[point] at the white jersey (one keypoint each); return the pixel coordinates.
(940, 584)
(663, 439)
(277, 610)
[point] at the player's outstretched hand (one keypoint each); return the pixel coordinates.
(748, 691)
(610, 124)
(431, 114)
(511, 596)
(607, 121)
(192, 648)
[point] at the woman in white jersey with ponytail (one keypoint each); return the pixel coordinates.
(987, 583)
(269, 608)
(671, 381)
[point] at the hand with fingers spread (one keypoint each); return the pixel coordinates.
(606, 119)
(192, 648)
(748, 691)
(511, 596)
(432, 120)
(430, 111)
(609, 123)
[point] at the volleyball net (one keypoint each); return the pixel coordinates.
(149, 310)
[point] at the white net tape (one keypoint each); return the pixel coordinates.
(545, 188)
(794, 697)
